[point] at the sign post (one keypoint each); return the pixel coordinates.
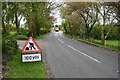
(31, 52)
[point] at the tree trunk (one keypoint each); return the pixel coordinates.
(37, 27)
(80, 33)
(16, 21)
(3, 25)
(29, 27)
(37, 32)
(28, 20)
(70, 28)
(103, 40)
(102, 30)
(88, 33)
(34, 34)
(102, 35)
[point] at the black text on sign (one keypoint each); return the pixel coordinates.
(31, 57)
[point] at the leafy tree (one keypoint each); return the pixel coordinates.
(87, 12)
(106, 13)
(37, 17)
(10, 14)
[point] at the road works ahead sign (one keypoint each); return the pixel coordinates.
(31, 52)
(31, 46)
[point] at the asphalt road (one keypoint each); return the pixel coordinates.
(70, 58)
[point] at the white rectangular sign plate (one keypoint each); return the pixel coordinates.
(31, 57)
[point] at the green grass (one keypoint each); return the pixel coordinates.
(25, 70)
(12, 32)
(40, 37)
(110, 44)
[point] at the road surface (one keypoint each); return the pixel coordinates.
(70, 58)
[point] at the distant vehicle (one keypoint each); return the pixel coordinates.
(57, 29)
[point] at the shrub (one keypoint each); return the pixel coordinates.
(21, 37)
(23, 31)
(9, 45)
(44, 31)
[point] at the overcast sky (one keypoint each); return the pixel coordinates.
(56, 14)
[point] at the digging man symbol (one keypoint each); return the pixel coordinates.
(30, 46)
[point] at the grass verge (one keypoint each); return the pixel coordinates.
(40, 37)
(25, 70)
(104, 46)
(109, 42)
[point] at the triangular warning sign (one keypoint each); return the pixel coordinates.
(31, 46)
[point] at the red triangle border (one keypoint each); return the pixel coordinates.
(31, 51)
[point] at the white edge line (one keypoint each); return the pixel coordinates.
(85, 54)
(61, 41)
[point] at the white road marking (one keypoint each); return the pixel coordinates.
(61, 41)
(84, 54)
(71, 47)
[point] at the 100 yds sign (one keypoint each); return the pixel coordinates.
(31, 57)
